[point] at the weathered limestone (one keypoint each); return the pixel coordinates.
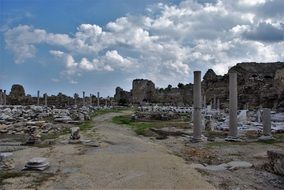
(233, 106)
(38, 98)
(197, 107)
(266, 124)
(83, 98)
(98, 99)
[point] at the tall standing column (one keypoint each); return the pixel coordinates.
(1, 97)
(75, 99)
(45, 99)
(197, 107)
(233, 103)
(98, 99)
(83, 98)
(38, 98)
(91, 101)
(204, 101)
(4, 98)
(218, 104)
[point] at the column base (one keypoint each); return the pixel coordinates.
(233, 139)
(266, 138)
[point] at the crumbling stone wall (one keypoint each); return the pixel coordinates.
(122, 97)
(143, 91)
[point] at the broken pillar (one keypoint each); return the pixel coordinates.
(83, 98)
(91, 102)
(98, 99)
(233, 107)
(4, 98)
(266, 125)
(75, 135)
(197, 107)
(38, 98)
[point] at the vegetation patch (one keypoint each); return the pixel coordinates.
(40, 179)
(140, 128)
(85, 125)
(55, 135)
(6, 175)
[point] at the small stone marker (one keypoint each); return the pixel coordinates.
(6, 161)
(37, 163)
(75, 135)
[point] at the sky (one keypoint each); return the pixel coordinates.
(72, 46)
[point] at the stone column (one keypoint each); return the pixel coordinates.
(83, 98)
(197, 107)
(266, 121)
(1, 97)
(258, 114)
(214, 102)
(4, 98)
(98, 99)
(233, 106)
(38, 98)
(218, 104)
(91, 101)
(75, 99)
(204, 101)
(45, 99)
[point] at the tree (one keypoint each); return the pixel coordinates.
(180, 85)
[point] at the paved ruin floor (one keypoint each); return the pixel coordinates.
(123, 160)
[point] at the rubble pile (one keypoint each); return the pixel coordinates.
(35, 120)
(249, 121)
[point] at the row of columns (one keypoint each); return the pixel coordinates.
(233, 108)
(45, 98)
(3, 98)
(215, 104)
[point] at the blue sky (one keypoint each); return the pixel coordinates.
(95, 45)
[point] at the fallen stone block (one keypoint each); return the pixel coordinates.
(276, 161)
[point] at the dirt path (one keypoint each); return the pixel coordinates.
(123, 161)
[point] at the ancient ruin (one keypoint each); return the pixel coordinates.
(259, 84)
(228, 127)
